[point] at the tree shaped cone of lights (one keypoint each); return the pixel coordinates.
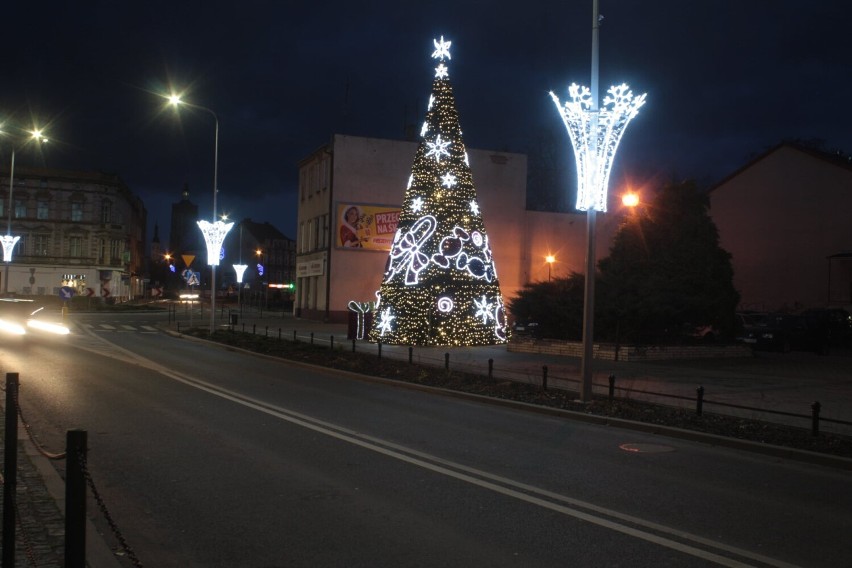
(595, 134)
(440, 285)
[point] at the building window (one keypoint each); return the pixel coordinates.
(106, 211)
(302, 244)
(76, 247)
(41, 245)
(115, 250)
(2, 207)
(21, 247)
(20, 208)
(76, 211)
(42, 209)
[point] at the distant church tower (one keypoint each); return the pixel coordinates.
(185, 236)
(156, 248)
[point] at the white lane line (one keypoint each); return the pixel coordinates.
(527, 493)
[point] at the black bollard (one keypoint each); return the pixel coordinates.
(410, 355)
(10, 470)
(353, 346)
(379, 343)
(611, 388)
(331, 341)
(446, 361)
(544, 377)
(699, 401)
(312, 338)
(75, 499)
(491, 369)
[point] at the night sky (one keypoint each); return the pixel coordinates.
(726, 79)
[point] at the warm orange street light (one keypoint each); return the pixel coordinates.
(630, 199)
(549, 259)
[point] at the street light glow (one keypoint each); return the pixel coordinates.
(630, 199)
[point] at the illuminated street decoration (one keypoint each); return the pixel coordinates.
(595, 136)
(240, 269)
(9, 243)
(440, 285)
(214, 236)
(361, 309)
(385, 323)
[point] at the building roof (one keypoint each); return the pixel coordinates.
(836, 158)
(262, 232)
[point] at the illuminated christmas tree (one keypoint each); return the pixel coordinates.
(440, 285)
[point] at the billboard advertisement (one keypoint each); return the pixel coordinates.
(366, 227)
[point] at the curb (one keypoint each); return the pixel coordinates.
(803, 456)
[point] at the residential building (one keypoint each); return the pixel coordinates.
(83, 230)
(785, 219)
(271, 259)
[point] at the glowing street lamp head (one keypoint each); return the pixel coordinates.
(630, 199)
(8, 242)
(174, 99)
(550, 259)
(240, 269)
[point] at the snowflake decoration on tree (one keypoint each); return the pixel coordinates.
(410, 181)
(442, 49)
(484, 309)
(385, 324)
(417, 204)
(441, 71)
(424, 129)
(448, 180)
(438, 148)
(431, 102)
(474, 208)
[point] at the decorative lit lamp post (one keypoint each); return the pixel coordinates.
(8, 241)
(240, 269)
(549, 259)
(595, 134)
(214, 233)
(630, 199)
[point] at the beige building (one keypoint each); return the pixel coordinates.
(83, 230)
(786, 218)
(370, 176)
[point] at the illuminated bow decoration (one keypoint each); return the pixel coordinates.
(406, 249)
(360, 308)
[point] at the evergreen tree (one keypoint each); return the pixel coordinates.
(440, 285)
(666, 271)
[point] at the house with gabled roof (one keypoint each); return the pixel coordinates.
(786, 219)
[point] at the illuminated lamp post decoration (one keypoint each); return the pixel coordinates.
(595, 134)
(214, 236)
(440, 285)
(240, 269)
(8, 240)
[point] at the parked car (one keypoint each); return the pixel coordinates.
(526, 328)
(784, 333)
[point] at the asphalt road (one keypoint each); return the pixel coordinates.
(208, 457)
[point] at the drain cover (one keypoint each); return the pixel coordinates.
(646, 448)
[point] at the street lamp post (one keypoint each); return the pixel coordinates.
(214, 233)
(549, 259)
(9, 241)
(595, 133)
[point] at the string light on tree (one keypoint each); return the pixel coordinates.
(440, 286)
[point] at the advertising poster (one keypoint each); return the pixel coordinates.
(366, 227)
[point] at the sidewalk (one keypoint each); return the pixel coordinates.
(788, 383)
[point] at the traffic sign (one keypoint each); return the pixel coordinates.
(66, 293)
(194, 279)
